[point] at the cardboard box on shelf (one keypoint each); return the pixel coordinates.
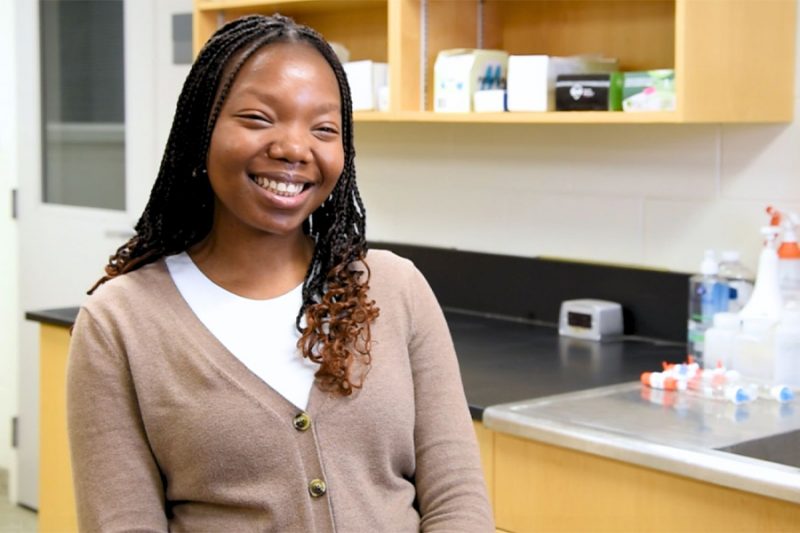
(460, 73)
(532, 78)
(589, 92)
(366, 79)
(489, 101)
(650, 90)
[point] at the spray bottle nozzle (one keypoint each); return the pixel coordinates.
(786, 219)
(775, 216)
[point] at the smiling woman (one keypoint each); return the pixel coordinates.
(279, 128)
(245, 363)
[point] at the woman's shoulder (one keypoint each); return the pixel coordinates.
(141, 288)
(392, 277)
(386, 265)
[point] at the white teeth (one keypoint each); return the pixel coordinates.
(281, 188)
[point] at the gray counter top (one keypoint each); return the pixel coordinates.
(668, 431)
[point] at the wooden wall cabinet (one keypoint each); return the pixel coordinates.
(733, 59)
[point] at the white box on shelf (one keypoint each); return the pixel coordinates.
(366, 79)
(459, 73)
(532, 78)
(489, 101)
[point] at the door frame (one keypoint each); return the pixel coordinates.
(141, 165)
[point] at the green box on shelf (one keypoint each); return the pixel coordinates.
(649, 90)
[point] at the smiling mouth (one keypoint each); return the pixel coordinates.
(280, 188)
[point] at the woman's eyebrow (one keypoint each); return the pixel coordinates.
(268, 98)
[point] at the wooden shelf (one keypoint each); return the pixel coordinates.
(277, 5)
(563, 117)
(733, 59)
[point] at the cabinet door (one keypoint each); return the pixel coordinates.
(540, 487)
(735, 60)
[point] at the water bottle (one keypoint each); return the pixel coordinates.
(739, 278)
(708, 294)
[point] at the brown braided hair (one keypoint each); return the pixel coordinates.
(180, 209)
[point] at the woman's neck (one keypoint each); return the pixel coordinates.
(254, 265)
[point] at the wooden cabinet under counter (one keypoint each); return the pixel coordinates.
(540, 487)
(591, 461)
(56, 495)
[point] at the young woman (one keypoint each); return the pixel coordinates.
(245, 364)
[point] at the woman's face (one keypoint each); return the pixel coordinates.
(276, 151)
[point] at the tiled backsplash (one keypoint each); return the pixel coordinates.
(653, 196)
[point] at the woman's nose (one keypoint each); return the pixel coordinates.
(289, 144)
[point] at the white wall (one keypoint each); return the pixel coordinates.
(650, 195)
(9, 312)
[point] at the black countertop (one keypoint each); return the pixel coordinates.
(506, 361)
(55, 317)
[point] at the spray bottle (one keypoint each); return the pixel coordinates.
(789, 259)
(766, 301)
(754, 354)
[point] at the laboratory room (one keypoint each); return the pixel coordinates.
(400, 265)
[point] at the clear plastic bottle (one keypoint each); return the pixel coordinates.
(720, 341)
(720, 385)
(787, 347)
(769, 391)
(754, 357)
(739, 278)
(708, 295)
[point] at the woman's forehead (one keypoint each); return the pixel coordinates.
(266, 55)
(302, 67)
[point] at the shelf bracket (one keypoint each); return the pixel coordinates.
(423, 54)
(479, 23)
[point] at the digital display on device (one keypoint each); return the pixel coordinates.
(579, 320)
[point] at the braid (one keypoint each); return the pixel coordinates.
(179, 212)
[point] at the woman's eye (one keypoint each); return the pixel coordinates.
(328, 129)
(254, 118)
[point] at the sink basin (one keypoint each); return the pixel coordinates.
(783, 448)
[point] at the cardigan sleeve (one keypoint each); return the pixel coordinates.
(118, 485)
(451, 490)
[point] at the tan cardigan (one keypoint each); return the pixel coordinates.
(169, 430)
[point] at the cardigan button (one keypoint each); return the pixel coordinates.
(302, 422)
(317, 488)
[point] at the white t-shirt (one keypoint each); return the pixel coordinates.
(260, 333)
